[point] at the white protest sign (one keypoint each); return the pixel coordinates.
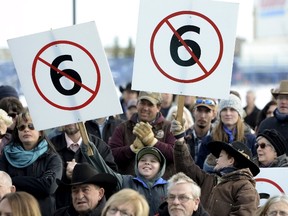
(65, 76)
(271, 182)
(185, 47)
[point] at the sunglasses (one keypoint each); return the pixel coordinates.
(205, 101)
(262, 145)
(12, 115)
(22, 127)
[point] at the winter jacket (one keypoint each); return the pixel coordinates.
(70, 211)
(63, 194)
(278, 122)
(123, 137)
(38, 179)
(163, 211)
(154, 192)
(233, 193)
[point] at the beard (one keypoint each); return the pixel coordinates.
(71, 131)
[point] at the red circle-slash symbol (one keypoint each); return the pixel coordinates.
(38, 59)
(206, 72)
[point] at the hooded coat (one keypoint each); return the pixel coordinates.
(154, 191)
(232, 193)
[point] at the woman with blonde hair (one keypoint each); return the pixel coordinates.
(229, 128)
(19, 204)
(128, 202)
(277, 205)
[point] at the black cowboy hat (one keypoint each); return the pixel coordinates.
(85, 173)
(238, 150)
(127, 88)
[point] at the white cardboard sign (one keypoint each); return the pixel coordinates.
(65, 76)
(272, 182)
(185, 47)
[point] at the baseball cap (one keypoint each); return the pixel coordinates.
(153, 97)
(206, 102)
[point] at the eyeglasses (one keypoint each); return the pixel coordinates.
(114, 210)
(205, 101)
(12, 115)
(275, 213)
(22, 127)
(262, 145)
(181, 198)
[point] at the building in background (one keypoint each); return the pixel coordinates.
(265, 59)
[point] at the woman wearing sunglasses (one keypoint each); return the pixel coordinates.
(271, 149)
(32, 163)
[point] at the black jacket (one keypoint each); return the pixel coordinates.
(38, 179)
(163, 211)
(63, 194)
(70, 211)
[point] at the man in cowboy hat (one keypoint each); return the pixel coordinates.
(279, 121)
(88, 189)
(231, 189)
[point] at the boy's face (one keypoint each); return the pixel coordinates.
(148, 166)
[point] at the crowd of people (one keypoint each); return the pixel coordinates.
(146, 161)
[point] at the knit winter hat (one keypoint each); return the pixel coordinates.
(276, 139)
(8, 91)
(233, 102)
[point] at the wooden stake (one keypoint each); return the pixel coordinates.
(85, 137)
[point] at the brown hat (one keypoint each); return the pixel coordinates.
(153, 97)
(283, 89)
(206, 102)
(238, 150)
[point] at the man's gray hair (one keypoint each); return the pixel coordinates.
(180, 178)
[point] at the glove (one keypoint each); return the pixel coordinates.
(136, 145)
(177, 129)
(144, 132)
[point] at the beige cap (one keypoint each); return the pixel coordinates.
(153, 97)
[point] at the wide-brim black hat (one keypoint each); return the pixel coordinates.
(85, 173)
(127, 88)
(238, 150)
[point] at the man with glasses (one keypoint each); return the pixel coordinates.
(183, 198)
(279, 121)
(204, 112)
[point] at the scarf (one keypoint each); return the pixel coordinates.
(18, 157)
(280, 116)
(225, 170)
(230, 133)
